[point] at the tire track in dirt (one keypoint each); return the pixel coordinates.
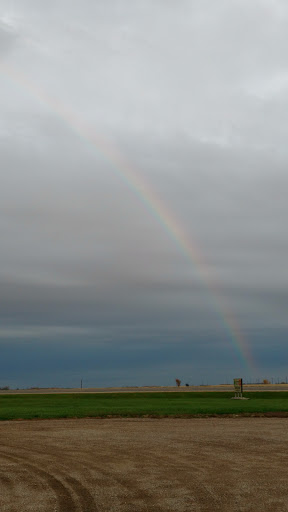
(72, 497)
(105, 475)
(82, 492)
(187, 481)
(144, 465)
(7, 487)
(199, 492)
(204, 494)
(201, 495)
(7, 481)
(88, 464)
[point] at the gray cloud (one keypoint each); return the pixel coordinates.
(192, 96)
(8, 36)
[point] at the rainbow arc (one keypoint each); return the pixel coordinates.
(152, 202)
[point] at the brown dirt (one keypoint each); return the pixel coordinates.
(137, 465)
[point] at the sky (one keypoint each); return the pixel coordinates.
(143, 199)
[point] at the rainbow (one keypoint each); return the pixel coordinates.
(139, 186)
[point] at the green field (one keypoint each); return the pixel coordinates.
(137, 404)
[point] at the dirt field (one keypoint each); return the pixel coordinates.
(179, 465)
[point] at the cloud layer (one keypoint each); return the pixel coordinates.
(192, 96)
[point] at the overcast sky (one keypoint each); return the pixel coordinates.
(192, 94)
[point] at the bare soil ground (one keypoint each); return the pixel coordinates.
(135, 465)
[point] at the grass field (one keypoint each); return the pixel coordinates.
(137, 404)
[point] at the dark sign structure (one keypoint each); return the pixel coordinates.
(238, 387)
